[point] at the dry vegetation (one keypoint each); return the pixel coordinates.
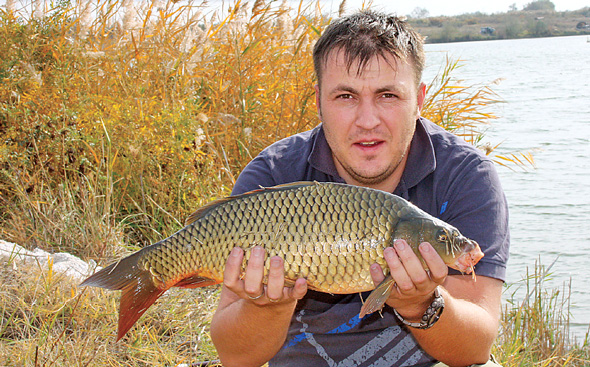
(47, 321)
(119, 118)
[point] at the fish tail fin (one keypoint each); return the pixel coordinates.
(378, 297)
(136, 298)
(139, 291)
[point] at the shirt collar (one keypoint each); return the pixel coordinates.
(320, 157)
(421, 158)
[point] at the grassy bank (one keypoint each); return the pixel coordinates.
(48, 321)
(118, 119)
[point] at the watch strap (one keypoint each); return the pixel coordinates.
(431, 315)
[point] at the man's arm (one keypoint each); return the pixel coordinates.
(468, 326)
(469, 323)
(248, 331)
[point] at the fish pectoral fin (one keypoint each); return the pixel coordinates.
(378, 296)
(195, 281)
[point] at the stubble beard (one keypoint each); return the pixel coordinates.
(373, 179)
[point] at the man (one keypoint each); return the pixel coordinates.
(369, 97)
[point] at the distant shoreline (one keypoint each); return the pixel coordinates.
(510, 25)
(504, 39)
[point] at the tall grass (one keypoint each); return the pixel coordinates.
(117, 120)
(535, 330)
(152, 114)
(46, 321)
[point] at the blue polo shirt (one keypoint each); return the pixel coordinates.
(444, 176)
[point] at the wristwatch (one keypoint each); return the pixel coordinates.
(431, 315)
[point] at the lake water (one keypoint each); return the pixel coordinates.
(545, 83)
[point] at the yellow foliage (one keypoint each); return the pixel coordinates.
(158, 110)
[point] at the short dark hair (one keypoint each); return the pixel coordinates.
(367, 34)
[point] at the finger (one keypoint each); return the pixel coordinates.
(276, 279)
(413, 266)
(438, 269)
(397, 270)
(299, 289)
(233, 268)
(376, 274)
(254, 273)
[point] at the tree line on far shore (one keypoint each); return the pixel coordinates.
(536, 19)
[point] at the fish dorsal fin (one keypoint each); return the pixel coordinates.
(202, 211)
(290, 185)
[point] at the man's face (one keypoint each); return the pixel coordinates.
(369, 119)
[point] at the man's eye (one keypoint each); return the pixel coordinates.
(345, 96)
(389, 95)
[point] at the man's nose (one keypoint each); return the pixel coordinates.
(367, 115)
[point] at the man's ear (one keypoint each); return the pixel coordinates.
(421, 97)
(317, 100)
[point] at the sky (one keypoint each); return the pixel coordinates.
(434, 7)
(455, 7)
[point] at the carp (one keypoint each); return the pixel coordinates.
(328, 233)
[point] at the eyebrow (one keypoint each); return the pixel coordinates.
(346, 88)
(343, 88)
(390, 88)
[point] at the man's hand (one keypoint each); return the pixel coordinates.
(414, 286)
(472, 310)
(252, 319)
(251, 286)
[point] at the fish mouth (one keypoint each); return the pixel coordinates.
(467, 260)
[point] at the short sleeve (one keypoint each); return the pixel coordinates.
(477, 206)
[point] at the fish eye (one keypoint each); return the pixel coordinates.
(442, 236)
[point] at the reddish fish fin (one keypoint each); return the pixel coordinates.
(378, 296)
(139, 290)
(195, 281)
(136, 298)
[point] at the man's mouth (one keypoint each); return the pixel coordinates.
(368, 144)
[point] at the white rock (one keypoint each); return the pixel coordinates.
(11, 251)
(62, 263)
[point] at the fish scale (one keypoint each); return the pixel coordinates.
(328, 233)
(309, 233)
